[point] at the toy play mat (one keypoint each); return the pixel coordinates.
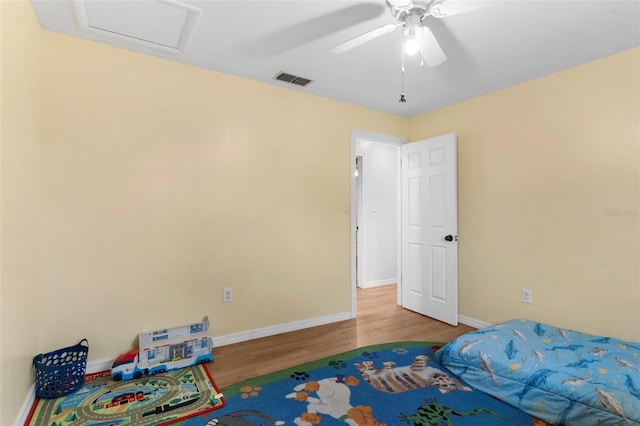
(161, 399)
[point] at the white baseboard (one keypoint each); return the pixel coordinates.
(98, 366)
(379, 283)
(244, 336)
(21, 418)
(472, 322)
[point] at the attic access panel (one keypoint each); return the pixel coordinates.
(160, 24)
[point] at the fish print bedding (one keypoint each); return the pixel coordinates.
(561, 376)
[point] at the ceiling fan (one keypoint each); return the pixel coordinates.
(417, 36)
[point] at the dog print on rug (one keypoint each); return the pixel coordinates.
(332, 398)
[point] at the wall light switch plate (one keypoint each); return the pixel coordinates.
(227, 295)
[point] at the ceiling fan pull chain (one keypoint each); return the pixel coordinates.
(402, 97)
(421, 46)
(402, 53)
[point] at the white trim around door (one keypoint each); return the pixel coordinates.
(365, 136)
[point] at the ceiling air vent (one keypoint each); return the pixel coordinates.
(293, 79)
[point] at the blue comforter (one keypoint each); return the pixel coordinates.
(561, 376)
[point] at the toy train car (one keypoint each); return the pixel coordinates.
(164, 350)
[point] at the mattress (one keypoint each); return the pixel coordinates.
(561, 376)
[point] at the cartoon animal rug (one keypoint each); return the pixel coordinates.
(383, 385)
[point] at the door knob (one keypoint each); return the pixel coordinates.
(449, 238)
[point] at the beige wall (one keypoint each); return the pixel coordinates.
(164, 183)
(158, 184)
(20, 199)
(549, 197)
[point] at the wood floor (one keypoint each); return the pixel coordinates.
(379, 320)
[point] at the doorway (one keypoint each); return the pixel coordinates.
(404, 221)
(375, 210)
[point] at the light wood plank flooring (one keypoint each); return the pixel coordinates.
(380, 320)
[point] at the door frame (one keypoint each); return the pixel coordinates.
(365, 136)
(361, 201)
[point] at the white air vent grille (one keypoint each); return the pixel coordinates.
(293, 79)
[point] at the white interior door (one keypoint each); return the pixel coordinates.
(429, 228)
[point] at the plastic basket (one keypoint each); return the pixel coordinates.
(60, 372)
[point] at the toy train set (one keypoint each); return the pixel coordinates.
(166, 349)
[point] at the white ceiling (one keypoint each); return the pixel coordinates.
(505, 43)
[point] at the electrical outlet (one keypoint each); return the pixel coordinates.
(227, 295)
(527, 295)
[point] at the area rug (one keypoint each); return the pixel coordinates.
(390, 384)
(157, 400)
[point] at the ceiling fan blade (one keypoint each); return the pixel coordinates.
(303, 32)
(363, 38)
(400, 4)
(432, 53)
(454, 7)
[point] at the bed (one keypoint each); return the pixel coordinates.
(561, 376)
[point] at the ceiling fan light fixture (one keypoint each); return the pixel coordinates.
(411, 46)
(413, 39)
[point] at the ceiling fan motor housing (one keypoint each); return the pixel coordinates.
(404, 9)
(413, 24)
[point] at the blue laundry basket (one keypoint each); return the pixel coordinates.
(61, 372)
